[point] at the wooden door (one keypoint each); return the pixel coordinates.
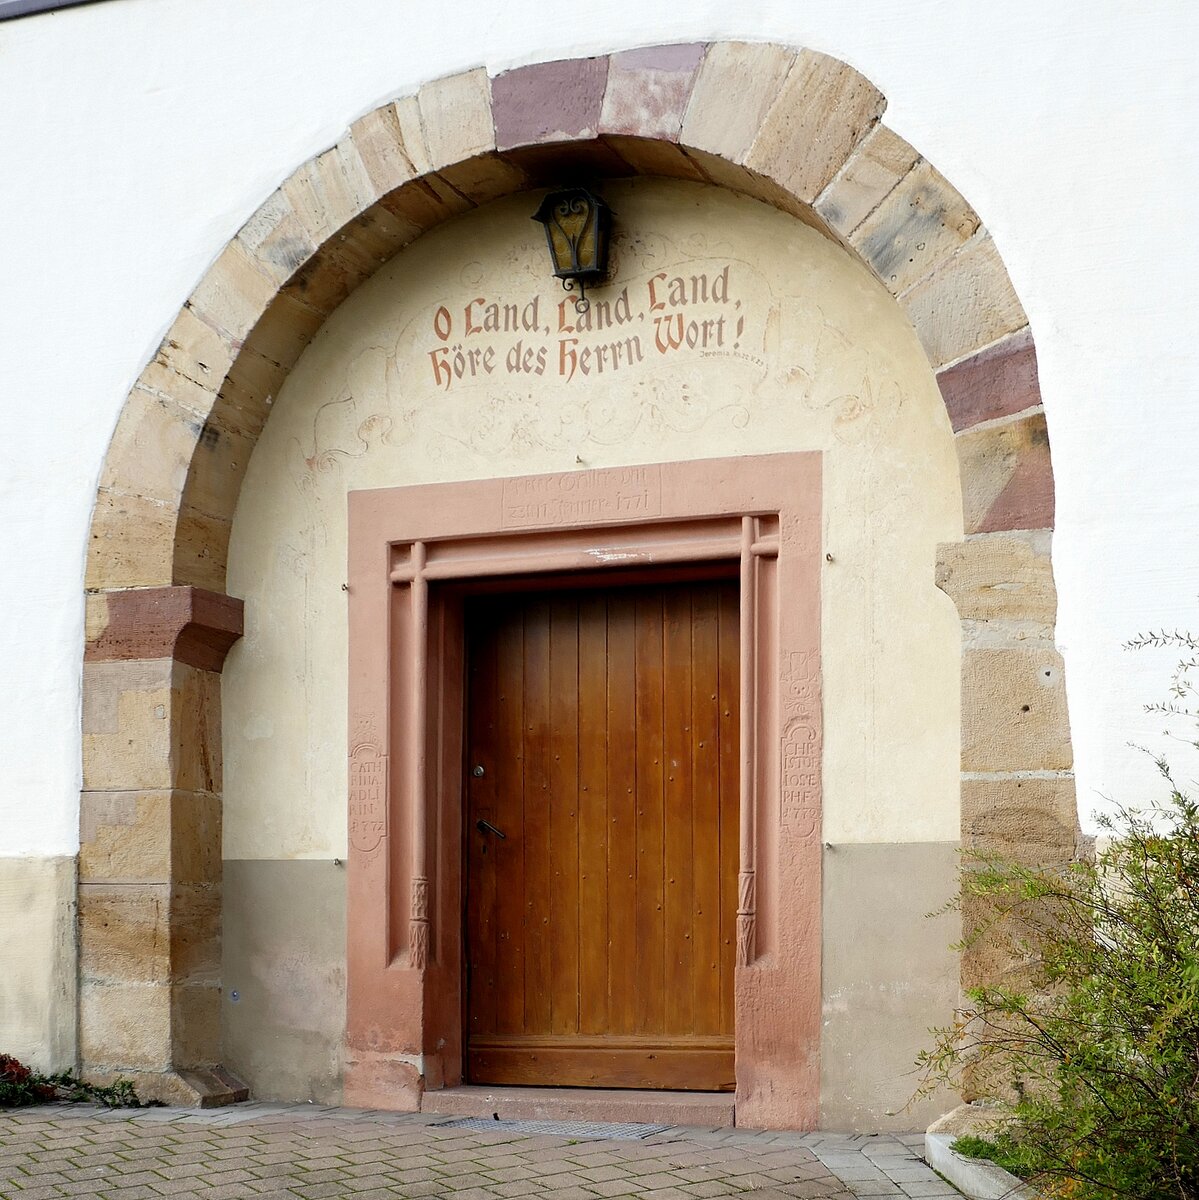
(601, 926)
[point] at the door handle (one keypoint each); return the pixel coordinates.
(487, 827)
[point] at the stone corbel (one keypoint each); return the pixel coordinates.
(188, 624)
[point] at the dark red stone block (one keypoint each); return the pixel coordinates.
(551, 101)
(997, 382)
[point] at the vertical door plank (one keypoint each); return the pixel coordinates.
(509, 859)
(730, 800)
(678, 904)
(481, 876)
(563, 936)
(593, 815)
(623, 967)
(537, 816)
(705, 813)
(651, 965)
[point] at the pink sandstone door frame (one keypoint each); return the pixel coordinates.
(406, 696)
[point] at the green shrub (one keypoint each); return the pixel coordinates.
(1093, 1043)
(1001, 1152)
(19, 1086)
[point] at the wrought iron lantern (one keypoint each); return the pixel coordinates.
(576, 229)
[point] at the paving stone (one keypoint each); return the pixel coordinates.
(917, 1173)
(617, 1187)
(713, 1187)
(310, 1153)
(864, 1169)
(516, 1187)
(319, 1191)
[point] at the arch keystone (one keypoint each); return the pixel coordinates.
(648, 90)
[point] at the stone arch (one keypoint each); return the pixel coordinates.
(805, 135)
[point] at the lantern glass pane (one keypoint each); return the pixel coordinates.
(559, 248)
(585, 249)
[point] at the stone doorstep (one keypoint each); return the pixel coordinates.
(973, 1177)
(216, 1087)
(599, 1105)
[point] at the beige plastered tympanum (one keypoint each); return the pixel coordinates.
(804, 134)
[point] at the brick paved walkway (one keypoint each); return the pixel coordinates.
(313, 1153)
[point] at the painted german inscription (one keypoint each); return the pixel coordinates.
(669, 314)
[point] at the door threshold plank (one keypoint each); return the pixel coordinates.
(599, 1105)
(651, 1067)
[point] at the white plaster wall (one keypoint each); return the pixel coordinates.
(806, 351)
(37, 961)
(139, 134)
